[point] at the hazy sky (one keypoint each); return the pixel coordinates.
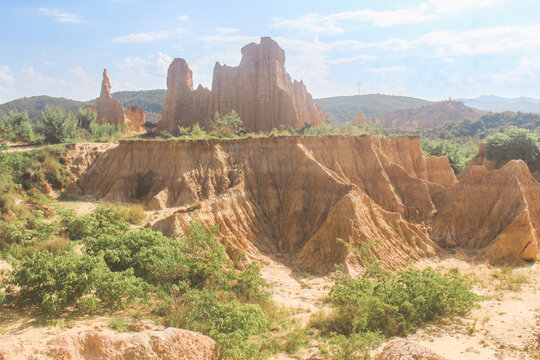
(432, 49)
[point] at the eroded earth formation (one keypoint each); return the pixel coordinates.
(259, 89)
(291, 198)
(111, 111)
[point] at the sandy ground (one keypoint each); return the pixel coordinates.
(505, 326)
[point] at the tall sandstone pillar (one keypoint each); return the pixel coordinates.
(259, 89)
(108, 109)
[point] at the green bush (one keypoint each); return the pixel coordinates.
(397, 304)
(230, 323)
(105, 131)
(514, 144)
(57, 126)
(85, 117)
(106, 219)
(458, 155)
(17, 126)
(227, 125)
(53, 282)
(354, 347)
(187, 279)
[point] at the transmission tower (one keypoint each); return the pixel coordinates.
(359, 83)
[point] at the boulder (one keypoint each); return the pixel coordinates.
(101, 344)
(400, 349)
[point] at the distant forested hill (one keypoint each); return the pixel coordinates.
(498, 104)
(487, 124)
(151, 101)
(34, 105)
(148, 100)
(429, 116)
(343, 108)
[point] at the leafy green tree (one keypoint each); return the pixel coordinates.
(228, 125)
(515, 144)
(85, 117)
(58, 127)
(458, 155)
(19, 126)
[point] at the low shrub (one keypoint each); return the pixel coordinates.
(53, 282)
(515, 144)
(386, 304)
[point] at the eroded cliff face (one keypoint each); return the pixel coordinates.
(259, 89)
(108, 109)
(292, 197)
(136, 117)
(497, 212)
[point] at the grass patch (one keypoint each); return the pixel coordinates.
(506, 280)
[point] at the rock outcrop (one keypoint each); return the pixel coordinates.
(400, 349)
(292, 197)
(136, 117)
(428, 116)
(108, 109)
(496, 212)
(101, 344)
(259, 89)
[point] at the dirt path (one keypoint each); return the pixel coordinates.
(302, 295)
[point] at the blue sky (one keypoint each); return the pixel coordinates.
(433, 49)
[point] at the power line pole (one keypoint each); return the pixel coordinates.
(359, 83)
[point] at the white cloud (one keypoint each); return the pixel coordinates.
(227, 31)
(6, 84)
(311, 23)
(362, 58)
(528, 69)
(452, 6)
(387, 69)
(338, 23)
(482, 41)
(137, 73)
(27, 81)
(5, 75)
(60, 16)
(142, 37)
(213, 41)
(183, 17)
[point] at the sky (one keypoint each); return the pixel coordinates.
(432, 49)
